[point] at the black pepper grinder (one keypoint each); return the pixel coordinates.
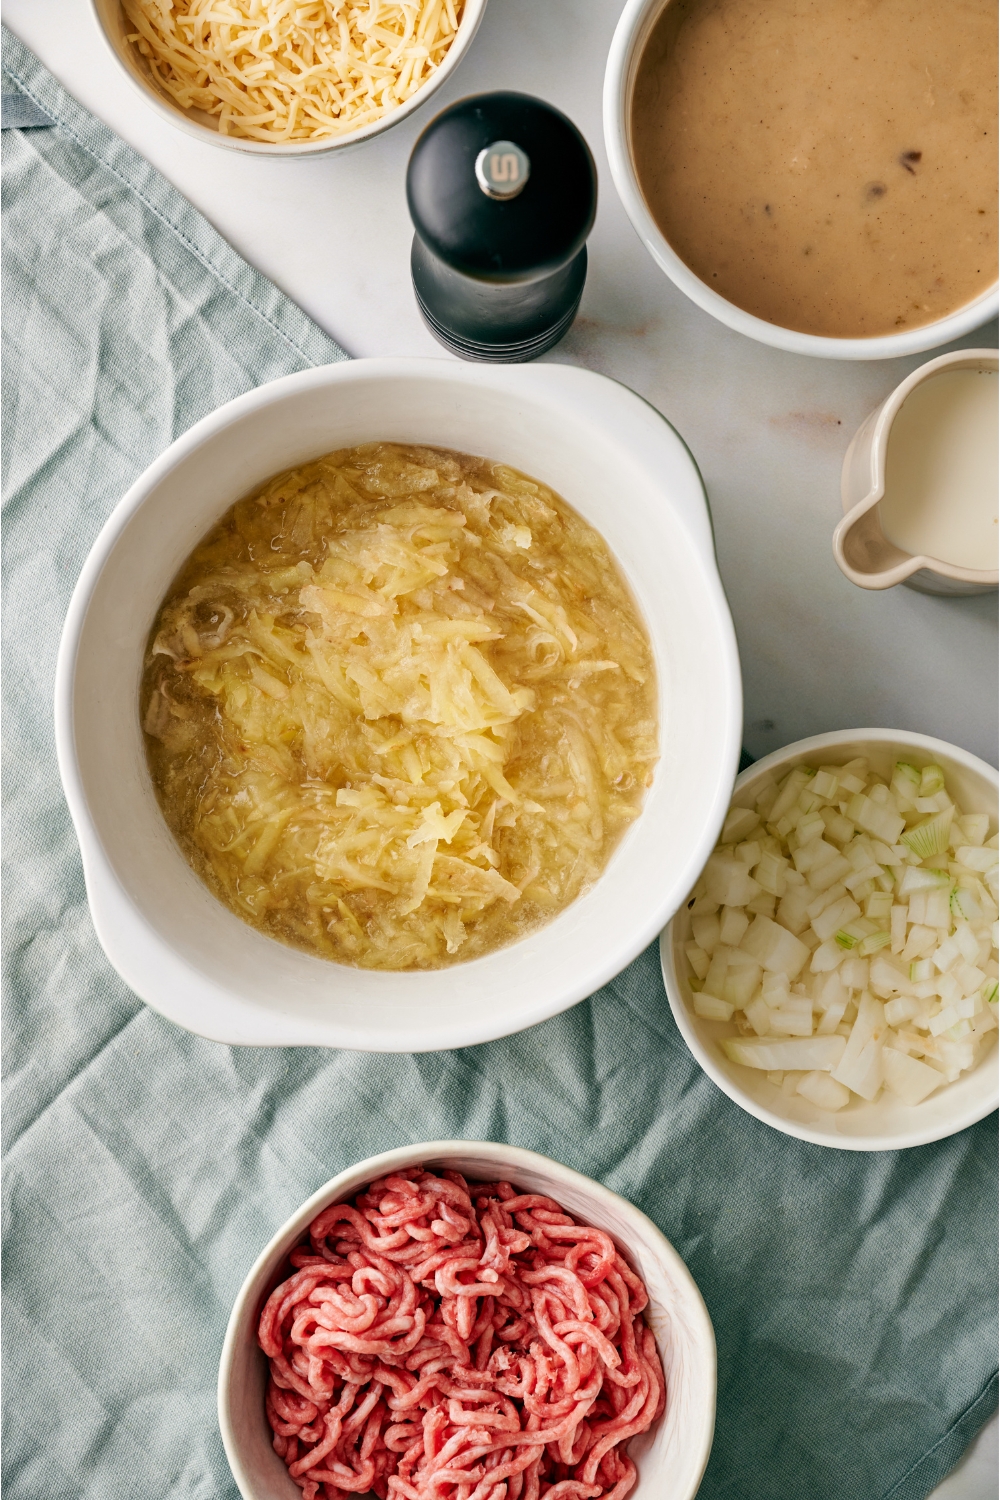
(502, 191)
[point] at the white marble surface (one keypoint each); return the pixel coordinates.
(768, 430)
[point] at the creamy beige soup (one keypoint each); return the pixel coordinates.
(399, 706)
(828, 165)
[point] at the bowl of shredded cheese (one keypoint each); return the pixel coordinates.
(270, 78)
(316, 781)
(834, 969)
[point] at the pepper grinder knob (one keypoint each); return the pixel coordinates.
(502, 191)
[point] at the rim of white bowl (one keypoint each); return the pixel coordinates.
(632, 31)
(354, 1177)
(98, 868)
(472, 15)
(674, 985)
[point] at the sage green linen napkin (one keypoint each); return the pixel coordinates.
(853, 1296)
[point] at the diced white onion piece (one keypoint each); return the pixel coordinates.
(762, 905)
(974, 827)
(826, 924)
(930, 836)
(774, 947)
(830, 1020)
(860, 1068)
(974, 858)
(947, 954)
(740, 985)
(728, 880)
(835, 892)
(789, 792)
(920, 942)
(884, 822)
(897, 927)
(985, 1022)
(937, 909)
(931, 781)
(968, 944)
(775, 989)
(810, 852)
(826, 957)
(715, 978)
(885, 975)
(917, 879)
(906, 781)
(855, 770)
(697, 958)
(793, 1018)
(823, 1091)
(964, 906)
(901, 1010)
(860, 879)
(807, 1053)
(854, 973)
(792, 908)
(706, 932)
(740, 823)
(810, 826)
(909, 1079)
(712, 1009)
(822, 876)
(838, 828)
(758, 1013)
(769, 873)
(944, 1020)
(733, 923)
(878, 907)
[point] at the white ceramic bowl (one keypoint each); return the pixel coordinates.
(634, 26)
(886, 1124)
(627, 472)
(671, 1458)
(114, 28)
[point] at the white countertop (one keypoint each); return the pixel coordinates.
(768, 429)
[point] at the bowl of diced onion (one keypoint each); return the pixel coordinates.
(270, 79)
(834, 969)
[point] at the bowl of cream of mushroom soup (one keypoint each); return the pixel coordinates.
(821, 176)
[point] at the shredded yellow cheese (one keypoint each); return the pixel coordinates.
(400, 707)
(292, 70)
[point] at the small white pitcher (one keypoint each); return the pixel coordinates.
(861, 548)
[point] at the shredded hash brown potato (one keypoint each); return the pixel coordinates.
(399, 706)
(292, 70)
